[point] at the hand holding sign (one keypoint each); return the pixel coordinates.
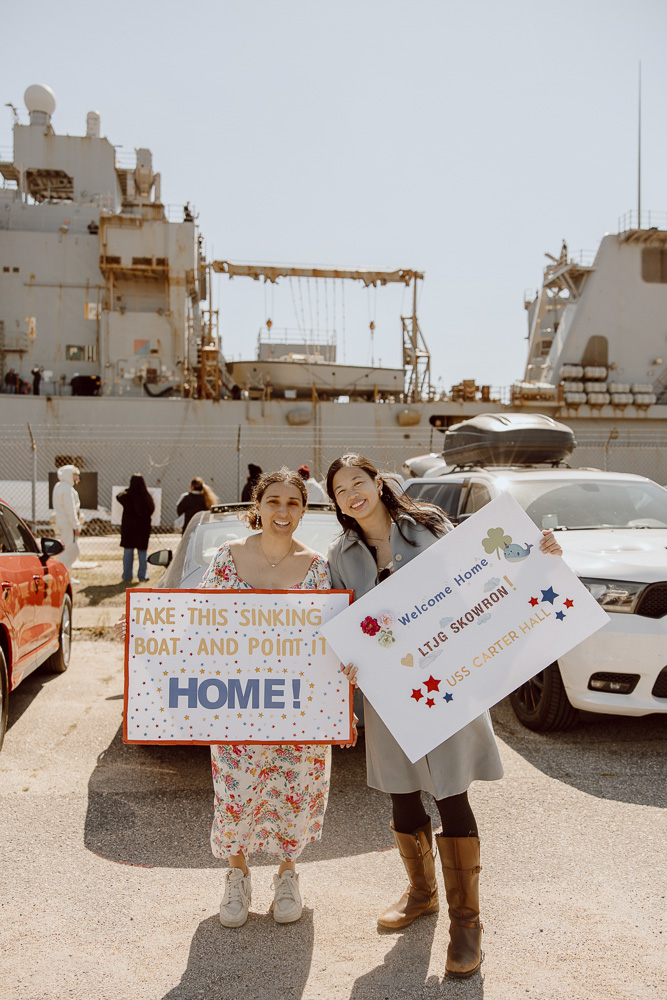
(470, 619)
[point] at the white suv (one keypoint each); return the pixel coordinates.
(613, 531)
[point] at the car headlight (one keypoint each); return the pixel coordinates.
(614, 595)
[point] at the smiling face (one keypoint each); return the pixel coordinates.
(280, 509)
(356, 493)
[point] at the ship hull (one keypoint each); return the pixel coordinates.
(171, 440)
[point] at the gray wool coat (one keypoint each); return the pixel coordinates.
(467, 756)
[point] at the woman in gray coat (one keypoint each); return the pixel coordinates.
(382, 531)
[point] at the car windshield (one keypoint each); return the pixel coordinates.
(317, 530)
(579, 504)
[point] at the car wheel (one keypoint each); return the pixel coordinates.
(59, 661)
(541, 703)
(4, 696)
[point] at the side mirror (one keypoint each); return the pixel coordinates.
(162, 557)
(51, 547)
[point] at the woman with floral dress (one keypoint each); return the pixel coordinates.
(268, 798)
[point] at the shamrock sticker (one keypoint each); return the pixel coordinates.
(496, 541)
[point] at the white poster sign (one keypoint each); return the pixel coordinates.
(233, 666)
(462, 625)
(117, 510)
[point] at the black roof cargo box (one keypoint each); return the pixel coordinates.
(508, 439)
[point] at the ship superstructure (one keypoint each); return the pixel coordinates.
(598, 327)
(100, 283)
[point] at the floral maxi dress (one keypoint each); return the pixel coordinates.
(268, 797)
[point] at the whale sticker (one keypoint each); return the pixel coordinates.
(515, 553)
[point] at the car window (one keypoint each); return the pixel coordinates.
(476, 497)
(209, 537)
(5, 543)
(317, 530)
(590, 504)
(18, 535)
(443, 495)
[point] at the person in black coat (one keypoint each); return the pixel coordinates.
(135, 525)
(254, 472)
(200, 497)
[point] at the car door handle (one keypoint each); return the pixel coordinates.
(6, 589)
(36, 580)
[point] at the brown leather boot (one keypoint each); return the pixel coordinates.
(459, 857)
(421, 896)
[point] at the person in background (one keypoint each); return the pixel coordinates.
(11, 381)
(67, 505)
(315, 492)
(36, 379)
(254, 472)
(135, 526)
(199, 497)
(383, 530)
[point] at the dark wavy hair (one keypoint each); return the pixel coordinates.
(138, 492)
(397, 503)
(251, 516)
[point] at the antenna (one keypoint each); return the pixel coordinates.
(639, 151)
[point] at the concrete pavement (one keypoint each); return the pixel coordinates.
(109, 890)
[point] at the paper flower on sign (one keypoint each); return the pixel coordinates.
(370, 626)
(495, 541)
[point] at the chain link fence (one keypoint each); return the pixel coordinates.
(108, 456)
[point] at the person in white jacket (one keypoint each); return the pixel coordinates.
(315, 492)
(66, 504)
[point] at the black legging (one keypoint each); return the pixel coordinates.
(456, 816)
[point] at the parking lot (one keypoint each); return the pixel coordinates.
(110, 891)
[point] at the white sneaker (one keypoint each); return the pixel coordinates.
(287, 905)
(236, 901)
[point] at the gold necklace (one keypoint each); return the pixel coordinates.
(273, 565)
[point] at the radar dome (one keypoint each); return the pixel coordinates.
(39, 97)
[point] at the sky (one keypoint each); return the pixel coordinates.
(461, 140)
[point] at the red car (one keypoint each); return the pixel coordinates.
(35, 607)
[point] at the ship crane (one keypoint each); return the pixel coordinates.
(416, 355)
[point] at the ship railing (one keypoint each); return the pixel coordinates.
(173, 213)
(648, 219)
(468, 391)
(6, 154)
(126, 159)
(584, 258)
